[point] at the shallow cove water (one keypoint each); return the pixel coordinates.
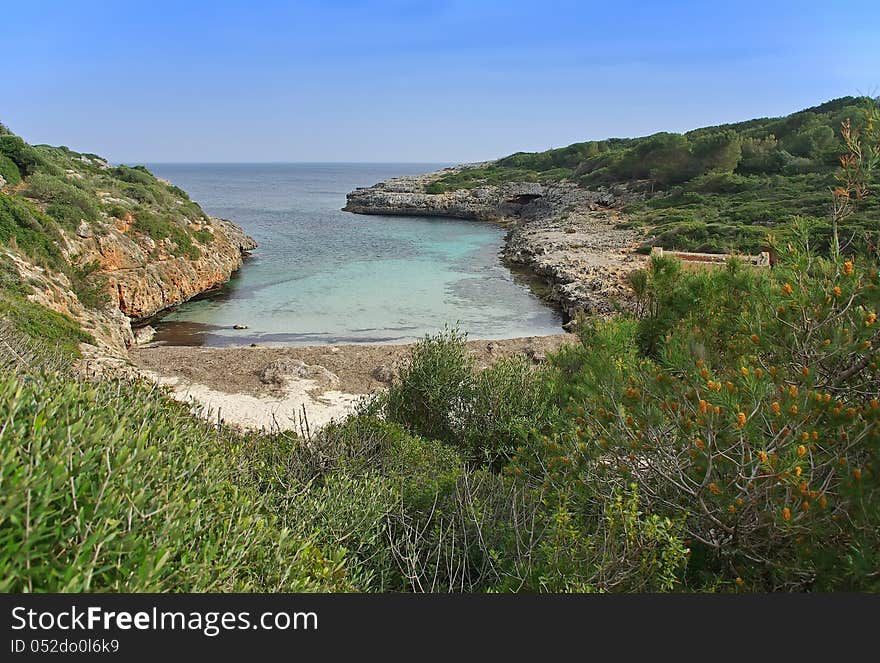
(321, 275)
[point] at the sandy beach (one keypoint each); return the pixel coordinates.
(280, 388)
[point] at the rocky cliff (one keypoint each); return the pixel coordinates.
(143, 278)
(104, 245)
(137, 277)
(572, 239)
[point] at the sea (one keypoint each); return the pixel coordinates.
(324, 276)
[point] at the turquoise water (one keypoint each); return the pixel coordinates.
(321, 275)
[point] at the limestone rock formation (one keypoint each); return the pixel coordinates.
(570, 238)
(138, 283)
(144, 280)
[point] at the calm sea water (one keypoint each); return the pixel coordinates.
(321, 275)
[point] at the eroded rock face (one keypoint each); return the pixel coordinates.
(109, 326)
(571, 238)
(143, 278)
(143, 335)
(584, 258)
(508, 204)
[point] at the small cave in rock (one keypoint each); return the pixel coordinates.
(524, 198)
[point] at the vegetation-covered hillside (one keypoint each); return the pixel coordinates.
(51, 198)
(720, 188)
(725, 437)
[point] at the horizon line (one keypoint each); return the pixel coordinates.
(128, 162)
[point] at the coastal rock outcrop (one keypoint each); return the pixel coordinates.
(104, 245)
(573, 240)
(384, 373)
(139, 281)
(144, 280)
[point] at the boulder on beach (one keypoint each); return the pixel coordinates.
(277, 373)
(143, 335)
(384, 373)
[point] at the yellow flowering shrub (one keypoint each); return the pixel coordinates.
(774, 475)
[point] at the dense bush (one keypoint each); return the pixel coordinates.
(9, 171)
(25, 157)
(10, 278)
(89, 288)
(203, 236)
(69, 202)
(435, 388)
(24, 227)
(57, 333)
(756, 424)
(161, 227)
(112, 487)
(136, 175)
(440, 395)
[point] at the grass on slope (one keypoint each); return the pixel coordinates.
(50, 192)
(720, 188)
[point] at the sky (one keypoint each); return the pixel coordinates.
(423, 81)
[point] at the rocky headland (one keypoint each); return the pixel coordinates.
(138, 276)
(570, 240)
(104, 245)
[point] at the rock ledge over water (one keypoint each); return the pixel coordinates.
(572, 239)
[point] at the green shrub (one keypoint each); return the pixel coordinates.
(435, 388)
(162, 227)
(203, 236)
(117, 211)
(9, 171)
(192, 211)
(757, 425)
(54, 330)
(719, 183)
(141, 194)
(67, 216)
(507, 403)
(24, 227)
(25, 157)
(111, 487)
(135, 175)
(10, 279)
(177, 191)
(669, 296)
(66, 200)
(89, 289)
(353, 484)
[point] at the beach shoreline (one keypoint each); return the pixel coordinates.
(282, 388)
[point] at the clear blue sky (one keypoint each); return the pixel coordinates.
(351, 80)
